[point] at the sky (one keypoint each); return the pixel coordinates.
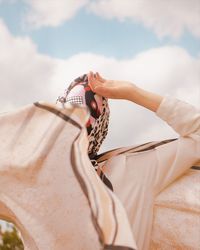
(154, 44)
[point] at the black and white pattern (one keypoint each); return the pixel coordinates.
(99, 131)
(75, 99)
(79, 92)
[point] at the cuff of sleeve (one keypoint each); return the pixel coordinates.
(181, 116)
(166, 106)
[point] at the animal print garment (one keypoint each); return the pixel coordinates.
(79, 92)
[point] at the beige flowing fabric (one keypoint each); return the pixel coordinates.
(50, 190)
(176, 220)
(48, 186)
(139, 174)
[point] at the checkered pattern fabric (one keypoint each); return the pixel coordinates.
(75, 99)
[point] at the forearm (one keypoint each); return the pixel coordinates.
(144, 98)
(115, 89)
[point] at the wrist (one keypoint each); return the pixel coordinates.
(132, 92)
(145, 98)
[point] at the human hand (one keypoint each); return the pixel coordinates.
(124, 90)
(110, 88)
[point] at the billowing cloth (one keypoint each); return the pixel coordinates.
(140, 173)
(80, 93)
(49, 188)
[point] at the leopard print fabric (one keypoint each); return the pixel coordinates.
(80, 93)
(99, 130)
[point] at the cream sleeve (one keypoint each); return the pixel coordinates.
(174, 158)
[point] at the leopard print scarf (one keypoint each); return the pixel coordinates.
(79, 92)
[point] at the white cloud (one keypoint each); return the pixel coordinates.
(28, 76)
(165, 18)
(50, 12)
(25, 74)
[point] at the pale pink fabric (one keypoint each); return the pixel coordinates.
(40, 191)
(138, 177)
(48, 186)
(176, 220)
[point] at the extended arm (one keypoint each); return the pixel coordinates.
(174, 158)
(124, 90)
